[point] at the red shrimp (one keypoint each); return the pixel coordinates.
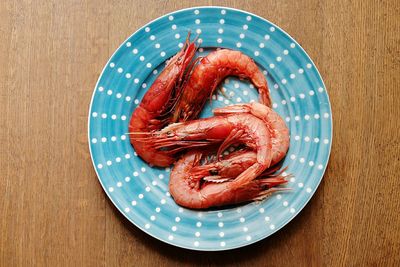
(231, 166)
(155, 110)
(190, 191)
(224, 130)
(278, 130)
(209, 73)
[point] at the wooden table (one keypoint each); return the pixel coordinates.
(54, 211)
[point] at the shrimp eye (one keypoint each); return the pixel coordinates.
(213, 172)
(169, 133)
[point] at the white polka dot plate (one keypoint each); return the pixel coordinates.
(140, 192)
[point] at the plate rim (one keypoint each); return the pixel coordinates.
(248, 242)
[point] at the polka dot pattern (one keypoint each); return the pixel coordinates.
(140, 192)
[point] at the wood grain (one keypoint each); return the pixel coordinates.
(53, 210)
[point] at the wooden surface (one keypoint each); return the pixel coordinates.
(53, 210)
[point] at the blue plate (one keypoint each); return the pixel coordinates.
(141, 193)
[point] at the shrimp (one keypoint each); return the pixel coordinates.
(155, 109)
(230, 167)
(224, 130)
(219, 183)
(192, 192)
(207, 75)
(278, 130)
(240, 160)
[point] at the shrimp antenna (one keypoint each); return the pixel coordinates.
(139, 133)
(195, 38)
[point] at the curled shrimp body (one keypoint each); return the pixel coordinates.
(209, 73)
(156, 107)
(192, 192)
(224, 130)
(237, 162)
(278, 130)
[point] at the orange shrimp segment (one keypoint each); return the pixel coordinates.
(209, 73)
(278, 130)
(155, 110)
(192, 191)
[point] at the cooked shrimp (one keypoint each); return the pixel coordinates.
(190, 190)
(238, 161)
(224, 130)
(229, 167)
(220, 183)
(278, 130)
(209, 73)
(154, 111)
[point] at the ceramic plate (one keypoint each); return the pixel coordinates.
(140, 192)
